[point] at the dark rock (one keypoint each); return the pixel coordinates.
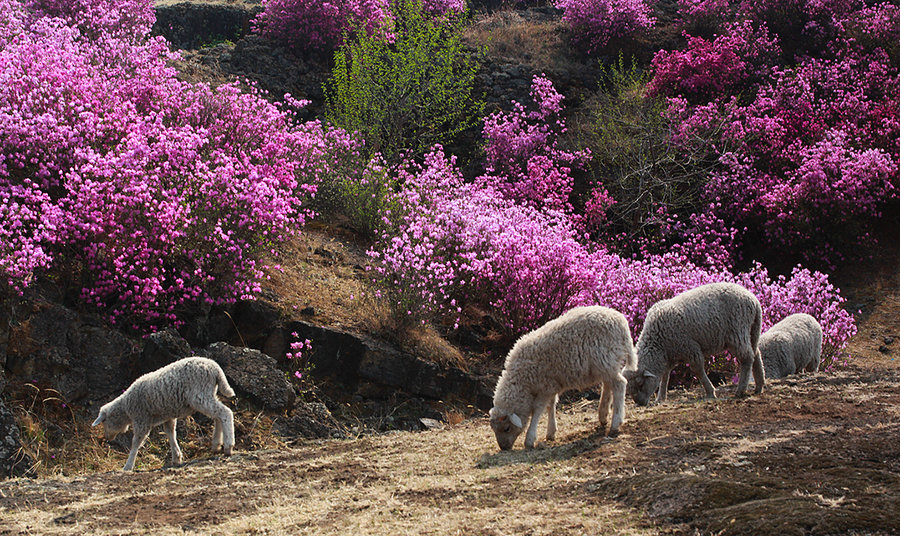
(310, 421)
(373, 369)
(191, 25)
(162, 348)
(253, 375)
(78, 355)
(14, 461)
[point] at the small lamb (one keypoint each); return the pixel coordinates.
(582, 348)
(791, 346)
(165, 395)
(691, 326)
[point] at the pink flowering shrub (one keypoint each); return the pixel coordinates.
(703, 12)
(469, 243)
(596, 22)
(158, 194)
(524, 160)
(443, 7)
(732, 62)
(803, 27)
(812, 158)
(320, 24)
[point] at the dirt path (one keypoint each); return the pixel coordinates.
(813, 455)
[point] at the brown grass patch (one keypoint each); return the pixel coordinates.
(541, 44)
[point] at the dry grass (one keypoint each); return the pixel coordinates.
(541, 44)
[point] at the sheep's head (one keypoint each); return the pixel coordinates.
(506, 427)
(641, 386)
(114, 422)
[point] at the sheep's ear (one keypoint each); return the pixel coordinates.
(648, 374)
(100, 418)
(515, 420)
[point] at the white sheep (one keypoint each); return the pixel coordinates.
(584, 347)
(174, 391)
(792, 345)
(691, 326)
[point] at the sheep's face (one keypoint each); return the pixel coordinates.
(641, 386)
(114, 423)
(506, 427)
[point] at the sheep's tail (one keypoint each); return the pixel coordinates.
(222, 382)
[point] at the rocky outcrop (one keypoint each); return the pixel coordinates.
(254, 375)
(79, 356)
(191, 25)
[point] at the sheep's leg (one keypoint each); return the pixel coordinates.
(139, 435)
(220, 412)
(699, 369)
(537, 410)
(605, 402)
(759, 373)
(663, 385)
(216, 442)
(551, 418)
(617, 386)
(170, 428)
(746, 362)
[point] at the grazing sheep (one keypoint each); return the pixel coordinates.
(582, 348)
(691, 326)
(792, 345)
(165, 395)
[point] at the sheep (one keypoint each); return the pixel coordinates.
(165, 395)
(691, 326)
(584, 347)
(792, 345)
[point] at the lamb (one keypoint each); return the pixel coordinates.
(584, 347)
(691, 326)
(165, 395)
(792, 345)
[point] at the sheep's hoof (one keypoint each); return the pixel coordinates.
(227, 451)
(613, 433)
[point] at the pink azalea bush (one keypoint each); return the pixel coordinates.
(705, 69)
(813, 157)
(702, 11)
(596, 22)
(524, 160)
(158, 194)
(320, 24)
(808, 152)
(443, 7)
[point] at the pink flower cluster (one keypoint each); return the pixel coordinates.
(160, 194)
(596, 22)
(706, 69)
(443, 7)
(701, 11)
(524, 160)
(320, 24)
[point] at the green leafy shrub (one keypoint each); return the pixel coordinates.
(650, 179)
(409, 94)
